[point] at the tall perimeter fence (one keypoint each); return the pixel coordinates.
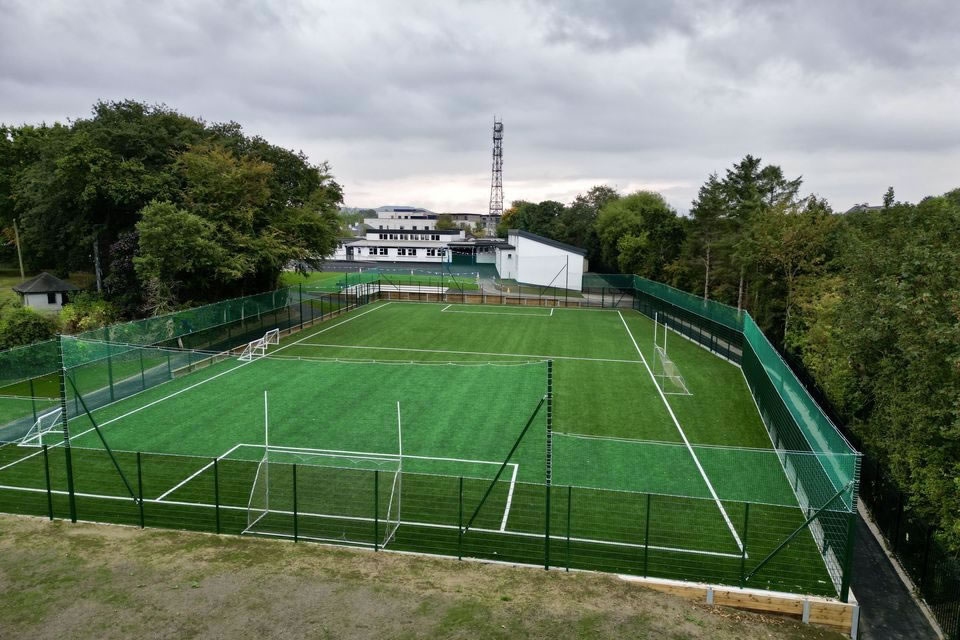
(551, 524)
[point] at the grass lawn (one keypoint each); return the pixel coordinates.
(92, 582)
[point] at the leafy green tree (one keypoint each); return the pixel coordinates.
(882, 337)
(889, 198)
(579, 220)
(21, 326)
(708, 213)
(751, 188)
(644, 224)
(792, 241)
(87, 311)
(445, 222)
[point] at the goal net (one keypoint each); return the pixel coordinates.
(665, 370)
(48, 429)
(258, 348)
(326, 496)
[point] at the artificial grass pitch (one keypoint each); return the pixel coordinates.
(638, 484)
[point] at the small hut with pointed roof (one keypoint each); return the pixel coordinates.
(44, 292)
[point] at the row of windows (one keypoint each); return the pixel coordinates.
(404, 251)
(409, 236)
(414, 228)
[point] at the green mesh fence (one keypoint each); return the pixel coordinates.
(704, 308)
(175, 325)
(22, 365)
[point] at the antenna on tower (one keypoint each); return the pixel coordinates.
(496, 182)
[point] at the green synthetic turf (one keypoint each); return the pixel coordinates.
(470, 412)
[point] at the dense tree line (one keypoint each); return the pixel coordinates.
(868, 300)
(181, 211)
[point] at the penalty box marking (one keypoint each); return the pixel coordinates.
(447, 309)
(368, 455)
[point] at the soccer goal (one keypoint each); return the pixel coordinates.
(665, 370)
(326, 495)
(258, 348)
(48, 426)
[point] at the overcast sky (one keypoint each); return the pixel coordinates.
(399, 96)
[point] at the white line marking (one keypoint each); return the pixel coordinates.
(195, 474)
(409, 523)
(506, 511)
(683, 435)
(475, 353)
(498, 313)
(372, 454)
(7, 466)
(222, 373)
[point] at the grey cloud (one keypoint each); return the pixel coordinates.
(399, 97)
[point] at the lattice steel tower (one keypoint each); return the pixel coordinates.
(496, 182)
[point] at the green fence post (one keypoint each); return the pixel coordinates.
(143, 377)
(743, 550)
(376, 509)
(169, 367)
(33, 401)
(848, 560)
(569, 504)
(67, 453)
(296, 532)
(300, 303)
(216, 494)
(46, 473)
(140, 488)
(110, 373)
(646, 539)
(546, 532)
(460, 523)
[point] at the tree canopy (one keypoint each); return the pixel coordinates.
(131, 173)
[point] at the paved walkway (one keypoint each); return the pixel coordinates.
(888, 611)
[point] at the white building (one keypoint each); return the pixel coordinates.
(532, 259)
(401, 234)
(44, 292)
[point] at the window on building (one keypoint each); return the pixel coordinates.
(381, 226)
(443, 252)
(383, 251)
(401, 251)
(393, 236)
(431, 253)
(435, 236)
(51, 298)
(411, 252)
(414, 227)
(401, 226)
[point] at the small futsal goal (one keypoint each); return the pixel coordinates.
(326, 495)
(258, 348)
(48, 426)
(665, 370)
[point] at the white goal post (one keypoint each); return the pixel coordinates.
(665, 370)
(326, 495)
(48, 424)
(258, 348)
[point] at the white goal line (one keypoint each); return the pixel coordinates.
(447, 309)
(410, 523)
(474, 353)
(362, 455)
